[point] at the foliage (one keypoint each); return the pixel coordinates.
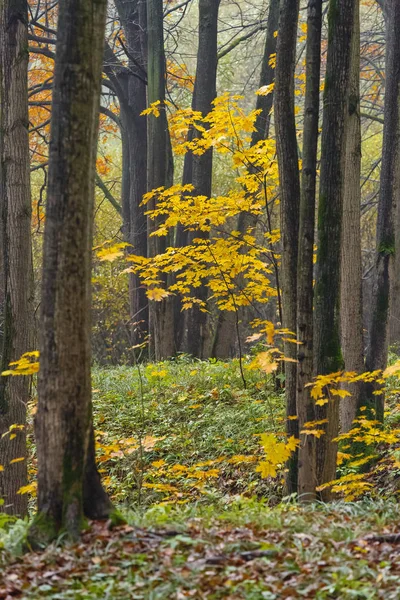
(243, 551)
(235, 266)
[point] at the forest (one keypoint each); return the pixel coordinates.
(199, 299)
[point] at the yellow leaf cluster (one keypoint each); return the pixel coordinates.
(26, 365)
(276, 453)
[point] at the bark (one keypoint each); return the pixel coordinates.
(327, 348)
(389, 185)
(286, 143)
(158, 172)
(225, 335)
(205, 91)
(305, 404)
(16, 250)
(134, 153)
(63, 422)
(351, 315)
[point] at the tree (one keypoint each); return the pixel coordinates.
(201, 167)
(16, 248)
(305, 275)
(159, 170)
(63, 423)
(288, 162)
(226, 331)
(131, 91)
(376, 357)
(351, 314)
(327, 347)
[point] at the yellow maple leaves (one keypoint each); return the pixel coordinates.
(276, 453)
(26, 365)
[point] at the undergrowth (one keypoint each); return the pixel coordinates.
(184, 431)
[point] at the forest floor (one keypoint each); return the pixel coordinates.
(178, 445)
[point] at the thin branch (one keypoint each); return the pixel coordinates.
(107, 194)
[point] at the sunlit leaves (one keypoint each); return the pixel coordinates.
(26, 365)
(276, 453)
(111, 253)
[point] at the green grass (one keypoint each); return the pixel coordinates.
(178, 444)
(175, 552)
(184, 414)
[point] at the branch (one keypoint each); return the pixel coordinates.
(372, 117)
(238, 41)
(107, 194)
(44, 51)
(177, 7)
(41, 40)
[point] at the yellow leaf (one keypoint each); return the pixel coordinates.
(264, 90)
(292, 443)
(322, 401)
(112, 252)
(266, 469)
(341, 393)
(17, 460)
(157, 294)
(28, 489)
(254, 337)
(266, 362)
(316, 432)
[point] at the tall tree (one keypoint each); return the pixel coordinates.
(226, 330)
(201, 167)
(351, 313)
(288, 163)
(159, 170)
(16, 249)
(131, 90)
(305, 404)
(63, 423)
(377, 350)
(327, 347)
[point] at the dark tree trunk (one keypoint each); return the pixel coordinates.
(158, 172)
(16, 247)
(225, 335)
(327, 348)
(351, 314)
(286, 142)
(134, 152)
(305, 404)
(205, 91)
(63, 422)
(389, 185)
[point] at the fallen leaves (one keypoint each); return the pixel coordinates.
(307, 556)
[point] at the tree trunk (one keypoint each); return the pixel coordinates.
(135, 157)
(288, 163)
(351, 316)
(205, 91)
(16, 250)
(225, 335)
(158, 172)
(305, 404)
(63, 422)
(327, 348)
(389, 185)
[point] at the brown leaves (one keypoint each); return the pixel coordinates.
(299, 555)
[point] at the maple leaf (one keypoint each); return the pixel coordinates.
(266, 469)
(157, 294)
(112, 252)
(266, 362)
